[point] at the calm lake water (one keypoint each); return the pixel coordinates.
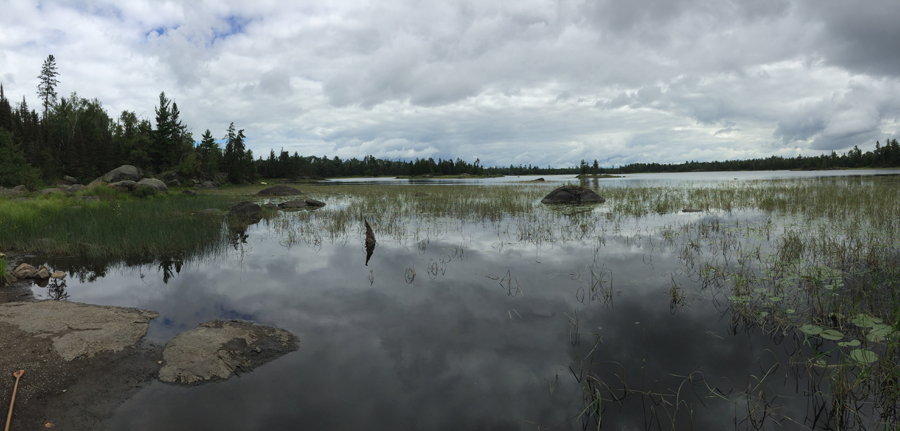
(468, 328)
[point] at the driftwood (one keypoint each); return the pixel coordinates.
(370, 241)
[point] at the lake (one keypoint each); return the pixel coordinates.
(481, 308)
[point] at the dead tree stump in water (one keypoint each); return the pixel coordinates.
(370, 241)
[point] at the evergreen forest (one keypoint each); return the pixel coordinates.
(75, 136)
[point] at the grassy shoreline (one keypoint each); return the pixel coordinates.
(117, 226)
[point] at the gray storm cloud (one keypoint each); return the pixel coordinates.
(550, 81)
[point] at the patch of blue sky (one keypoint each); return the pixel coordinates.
(230, 26)
(160, 31)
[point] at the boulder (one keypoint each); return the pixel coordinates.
(279, 190)
(153, 182)
(24, 271)
(58, 275)
(216, 350)
(75, 189)
(572, 195)
(691, 210)
(125, 186)
(245, 210)
(293, 205)
(173, 183)
(70, 180)
(8, 192)
(168, 176)
(51, 190)
(123, 173)
(209, 185)
(315, 203)
(42, 272)
(20, 188)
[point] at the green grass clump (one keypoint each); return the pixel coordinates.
(4, 275)
(109, 229)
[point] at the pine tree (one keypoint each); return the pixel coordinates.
(6, 116)
(47, 86)
(209, 153)
(234, 159)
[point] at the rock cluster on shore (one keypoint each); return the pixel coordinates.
(25, 271)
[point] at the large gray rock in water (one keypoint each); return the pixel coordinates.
(156, 184)
(245, 210)
(315, 203)
(122, 173)
(79, 330)
(216, 349)
(572, 195)
(293, 205)
(279, 190)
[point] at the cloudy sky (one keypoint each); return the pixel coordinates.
(509, 82)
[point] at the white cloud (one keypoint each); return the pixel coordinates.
(542, 82)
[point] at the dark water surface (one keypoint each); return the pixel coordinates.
(489, 334)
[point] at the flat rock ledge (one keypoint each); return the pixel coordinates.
(79, 330)
(218, 349)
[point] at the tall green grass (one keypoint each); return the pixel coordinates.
(115, 227)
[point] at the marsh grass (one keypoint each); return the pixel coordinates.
(115, 227)
(811, 260)
(777, 254)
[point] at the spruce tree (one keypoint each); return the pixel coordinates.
(47, 86)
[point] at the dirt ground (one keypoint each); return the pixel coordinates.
(66, 395)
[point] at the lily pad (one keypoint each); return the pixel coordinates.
(831, 334)
(776, 298)
(865, 321)
(879, 332)
(851, 343)
(863, 356)
(811, 329)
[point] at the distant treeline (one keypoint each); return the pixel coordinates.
(887, 156)
(75, 136)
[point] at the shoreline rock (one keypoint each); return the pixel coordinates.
(217, 350)
(279, 190)
(573, 195)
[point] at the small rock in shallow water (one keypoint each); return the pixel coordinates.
(215, 350)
